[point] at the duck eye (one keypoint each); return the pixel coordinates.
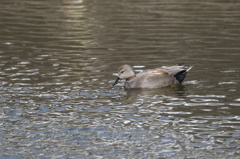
(121, 71)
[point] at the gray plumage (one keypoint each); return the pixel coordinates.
(152, 78)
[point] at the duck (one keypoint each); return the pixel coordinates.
(152, 78)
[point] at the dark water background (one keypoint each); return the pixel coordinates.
(57, 64)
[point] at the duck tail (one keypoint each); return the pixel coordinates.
(180, 76)
(189, 68)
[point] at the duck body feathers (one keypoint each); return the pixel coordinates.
(153, 78)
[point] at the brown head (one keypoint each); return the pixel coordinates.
(124, 72)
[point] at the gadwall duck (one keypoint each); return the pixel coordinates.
(152, 78)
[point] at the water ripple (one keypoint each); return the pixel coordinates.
(58, 58)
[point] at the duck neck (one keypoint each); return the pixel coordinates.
(130, 78)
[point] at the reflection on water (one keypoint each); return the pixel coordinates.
(57, 64)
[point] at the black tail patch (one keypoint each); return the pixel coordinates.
(180, 75)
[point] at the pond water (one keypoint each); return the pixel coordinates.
(58, 60)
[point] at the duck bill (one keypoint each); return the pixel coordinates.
(116, 82)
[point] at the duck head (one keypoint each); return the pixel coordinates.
(124, 72)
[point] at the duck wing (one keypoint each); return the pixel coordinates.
(160, 77)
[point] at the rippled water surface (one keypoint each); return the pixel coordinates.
(58, 60)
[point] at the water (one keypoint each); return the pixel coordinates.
(58, 60)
